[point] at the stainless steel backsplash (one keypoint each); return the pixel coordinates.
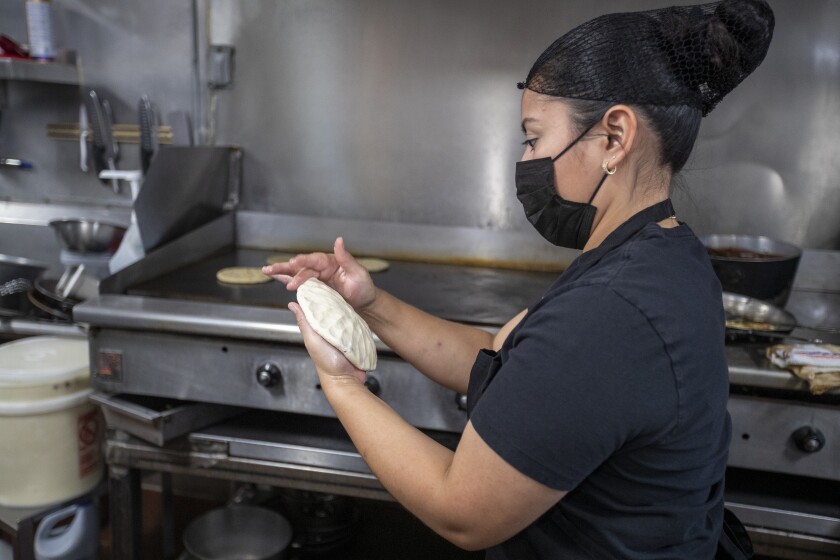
(407, 112)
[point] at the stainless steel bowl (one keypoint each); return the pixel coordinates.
(88, 236)
(238, 531)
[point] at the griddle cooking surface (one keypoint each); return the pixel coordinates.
(479, 295)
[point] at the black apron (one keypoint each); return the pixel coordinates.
(734, 543)
(488, 362)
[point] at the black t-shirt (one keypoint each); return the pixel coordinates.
(614, 388)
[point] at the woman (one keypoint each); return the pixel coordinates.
(598, 424)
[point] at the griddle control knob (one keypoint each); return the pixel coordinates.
(808, 439)
(373, 384)
(269, 375)
(461, 401)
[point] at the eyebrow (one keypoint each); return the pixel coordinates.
(527, 120)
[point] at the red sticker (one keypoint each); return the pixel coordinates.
(88, 427)
(110, 365)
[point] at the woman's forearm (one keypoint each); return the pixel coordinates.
(442, 350)
(409, 464)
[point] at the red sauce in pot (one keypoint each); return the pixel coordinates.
(739, 253)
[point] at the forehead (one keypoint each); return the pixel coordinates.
(538, 109)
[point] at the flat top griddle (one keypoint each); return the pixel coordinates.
(478, 295)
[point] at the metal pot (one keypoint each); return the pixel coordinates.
(237, 533)
(754, 266)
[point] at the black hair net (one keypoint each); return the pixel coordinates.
(682, 55)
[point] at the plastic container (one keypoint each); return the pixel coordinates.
(50, 434)
(76, 539)
(40, 29)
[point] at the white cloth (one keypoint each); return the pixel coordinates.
(818, 364)
(819, 355)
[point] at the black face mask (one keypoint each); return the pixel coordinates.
(562, 222)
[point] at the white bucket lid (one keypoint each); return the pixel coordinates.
(43, 359)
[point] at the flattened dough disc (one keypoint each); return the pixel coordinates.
(336, 321)
(242, 275)
(372, 264)
(279, 258)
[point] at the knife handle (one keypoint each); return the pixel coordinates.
(98, 156)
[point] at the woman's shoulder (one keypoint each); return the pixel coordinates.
(660, 273)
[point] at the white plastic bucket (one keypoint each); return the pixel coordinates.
(50, 434)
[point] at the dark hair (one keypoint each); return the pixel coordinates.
(675, 126)
(723, 58)
(680, 55)
(672, 65)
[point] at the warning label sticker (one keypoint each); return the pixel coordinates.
(110, 365)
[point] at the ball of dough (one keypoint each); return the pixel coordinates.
(242, 275)
(338, 323)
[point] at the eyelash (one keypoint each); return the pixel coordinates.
(530, 143)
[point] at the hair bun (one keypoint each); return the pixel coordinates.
(738, 35)
(679, 55)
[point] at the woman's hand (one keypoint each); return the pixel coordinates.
(331, 364)
(339, 270)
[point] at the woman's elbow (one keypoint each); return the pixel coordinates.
(473, 538)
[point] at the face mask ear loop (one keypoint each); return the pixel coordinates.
(601, 182)
(575, 141)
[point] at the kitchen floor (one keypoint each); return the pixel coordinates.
(380, 531)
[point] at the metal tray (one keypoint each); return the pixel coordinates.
(159, 420)
(309, 441)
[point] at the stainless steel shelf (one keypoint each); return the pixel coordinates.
(33, 71)
(34, 327)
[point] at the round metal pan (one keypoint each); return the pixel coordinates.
(753, 320)
(42, 295)
(44, 310)
(747, 314)
(47, 288)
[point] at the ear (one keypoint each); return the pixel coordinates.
(621, 125)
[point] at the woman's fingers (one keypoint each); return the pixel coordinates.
(301, 277)
(282, 278)
(278, 269)
(321, 262)
(314, 342)
(303, 324)
(301, 268)
(342, 257)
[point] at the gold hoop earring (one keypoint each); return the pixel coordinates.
(605, 167)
